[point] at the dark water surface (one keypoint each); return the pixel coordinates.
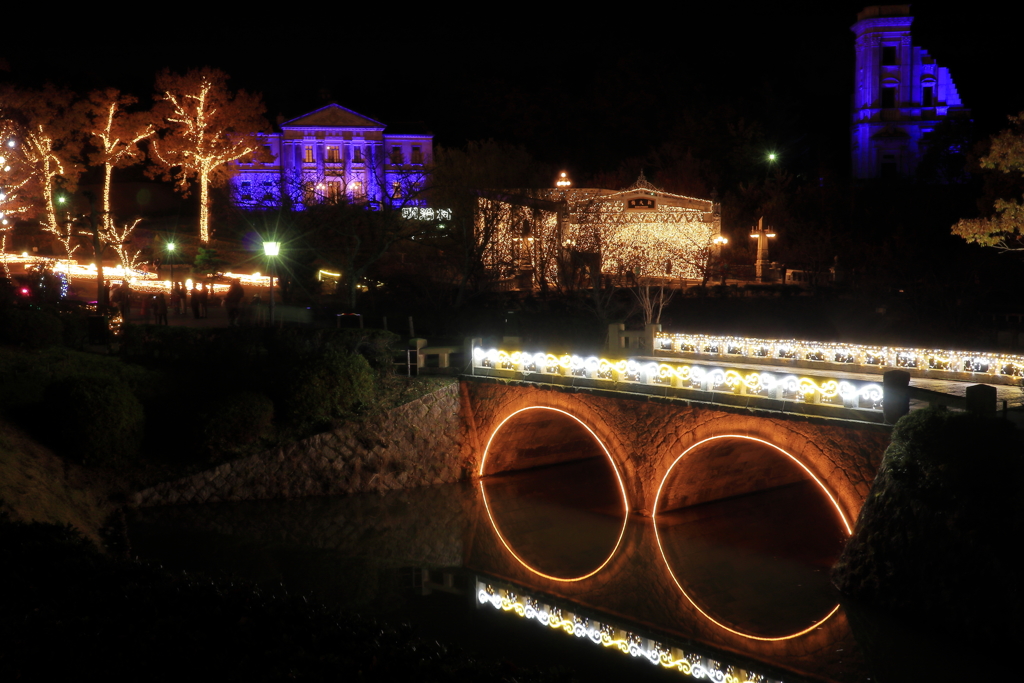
(708, 578)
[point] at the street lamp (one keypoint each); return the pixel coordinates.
(171, 246)
(271, 249)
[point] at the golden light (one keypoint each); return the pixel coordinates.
(618, 477)
(563, 180)
(657, 499)
(585, 626)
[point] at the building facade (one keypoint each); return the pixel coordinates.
(900, 95)
(335, 154)
(562, 237)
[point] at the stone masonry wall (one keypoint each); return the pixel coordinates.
(416, 444)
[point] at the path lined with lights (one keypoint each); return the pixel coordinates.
(139, 280)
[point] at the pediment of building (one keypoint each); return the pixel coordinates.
(332, 116)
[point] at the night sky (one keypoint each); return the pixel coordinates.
(577, 86)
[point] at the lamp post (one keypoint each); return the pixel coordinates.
(171, 246)
(271, 249)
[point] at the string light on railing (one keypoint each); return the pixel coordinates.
(845, 353)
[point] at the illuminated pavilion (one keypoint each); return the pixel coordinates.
(334, 154)
(563, 236)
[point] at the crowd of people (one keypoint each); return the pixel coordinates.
(154, 308)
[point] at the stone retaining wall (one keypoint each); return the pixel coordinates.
(416, 444)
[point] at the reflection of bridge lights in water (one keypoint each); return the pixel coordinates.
(773, 587)
(576, 541)
(688, 663)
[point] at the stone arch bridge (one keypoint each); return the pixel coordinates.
(712, 452)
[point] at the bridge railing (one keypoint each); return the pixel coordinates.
(682, 379)
(960, 365)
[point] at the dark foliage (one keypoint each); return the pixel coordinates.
(932, 538)
(30, 327)
(96, 420)
(239, 420)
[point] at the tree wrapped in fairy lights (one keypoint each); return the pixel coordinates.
(13, 181)
(116, 134)
(206, 127)
(46, 127)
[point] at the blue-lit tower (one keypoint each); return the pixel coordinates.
(899, 95)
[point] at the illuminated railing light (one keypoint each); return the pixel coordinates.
(805, 389)
(846, 354)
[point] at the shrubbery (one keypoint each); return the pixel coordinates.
(931, 539)
(96, 420)
(239, 420)
(322, 385)
(30, 327)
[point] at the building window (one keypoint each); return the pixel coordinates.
(889, 55)
(396, 190)
(888, 97)
(333, 190)
(417, 155)
(333, 155)
(927, 96)
(309, 154)
(358, 191)
(396, 155)
(357, 155)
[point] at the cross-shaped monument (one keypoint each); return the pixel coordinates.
(762, 234)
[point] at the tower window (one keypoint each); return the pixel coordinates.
(888, 98)
(889, 55)
(927, 96)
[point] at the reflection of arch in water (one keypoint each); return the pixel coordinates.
(504, 466)
(679, 584)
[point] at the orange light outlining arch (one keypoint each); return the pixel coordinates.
(679, 585)
(618, 477)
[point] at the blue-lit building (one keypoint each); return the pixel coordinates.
(336, 154)
(900, 95)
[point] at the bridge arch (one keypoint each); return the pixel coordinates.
(561, 450)
(721, 470)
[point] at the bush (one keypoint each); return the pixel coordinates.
(30, 327)
(99, 420)
(240, 419)
(323, 385)
(931, 538)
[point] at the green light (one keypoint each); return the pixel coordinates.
(771, 156)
